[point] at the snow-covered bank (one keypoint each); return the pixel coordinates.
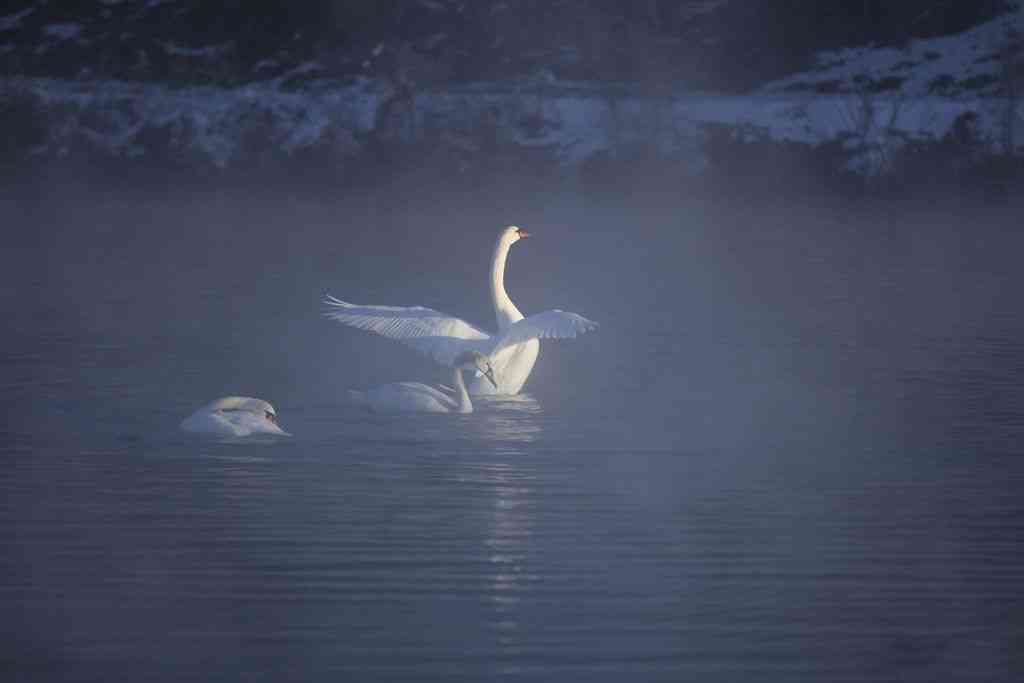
(218, 126)
(201, 124)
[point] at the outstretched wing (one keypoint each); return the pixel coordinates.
(553, 324)
(438, 335)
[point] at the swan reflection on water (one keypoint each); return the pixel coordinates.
(500, 423)
(509, 541)
(508, 418)
(509, 423)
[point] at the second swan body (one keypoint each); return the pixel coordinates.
(414, 397)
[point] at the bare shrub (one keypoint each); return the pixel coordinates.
(871, 134)
(1011, 85)
(25, 123)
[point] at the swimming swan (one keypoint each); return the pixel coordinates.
(234, 416)
(514, 363)
(512, 350)
(413, 397)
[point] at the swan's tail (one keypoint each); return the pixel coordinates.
(357, 397)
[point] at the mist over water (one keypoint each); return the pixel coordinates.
(791, 449)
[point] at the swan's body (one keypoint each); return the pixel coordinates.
(234, 416)
(405, 397)
(512, 350)
(413, 397)
(514, 363)
(512, 367)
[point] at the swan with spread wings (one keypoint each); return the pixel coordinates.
(444, 338)
(511, 351)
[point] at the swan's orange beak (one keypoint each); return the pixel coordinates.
(522, 233)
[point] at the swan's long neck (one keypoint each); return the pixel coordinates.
(504, 310)
(463, 404)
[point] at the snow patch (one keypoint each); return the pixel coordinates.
(432, 5)
(304, 69)
(65, 31)
(964, 65)
(10, 22)
(208, 52)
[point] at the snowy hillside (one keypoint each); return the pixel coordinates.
(968, 65)
(872, 101)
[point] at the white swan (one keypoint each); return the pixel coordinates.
(234, 416)
(514, 363)
(512, 350)
(413, 397)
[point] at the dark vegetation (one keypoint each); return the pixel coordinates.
(653, 44)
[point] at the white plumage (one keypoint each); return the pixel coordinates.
(512, 351)
(403, 397)
(413, 397)
(443, 337)
(234, 416)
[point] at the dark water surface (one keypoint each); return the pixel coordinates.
(793, 450)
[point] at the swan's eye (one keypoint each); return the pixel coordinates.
(270, 416)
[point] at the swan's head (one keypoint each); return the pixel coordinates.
(473, 360)
(270, 415)
(511, 235)
(254, 406)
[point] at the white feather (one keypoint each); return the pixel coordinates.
(444, 337)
